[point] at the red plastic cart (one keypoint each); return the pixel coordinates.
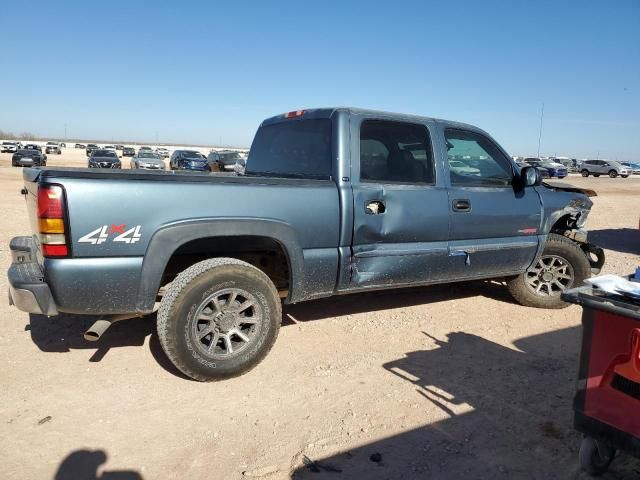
(607, 401)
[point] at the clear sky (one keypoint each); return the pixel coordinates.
(209, 72)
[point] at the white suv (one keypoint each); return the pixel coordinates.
(604, 167)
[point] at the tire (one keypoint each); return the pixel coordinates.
(624, 176)
(595, 456)
(613, 173)
(204, 290)
(596, 175)
(585, 173)
(561, 258)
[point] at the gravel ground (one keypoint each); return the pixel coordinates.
(445, 382)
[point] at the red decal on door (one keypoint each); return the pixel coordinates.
(117, 228)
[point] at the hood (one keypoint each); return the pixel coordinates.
(565, 187)
(154, 161)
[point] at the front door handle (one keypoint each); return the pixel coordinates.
(375, 207)
(461, 205)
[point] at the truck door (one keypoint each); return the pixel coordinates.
(494, 227)
(401, 218)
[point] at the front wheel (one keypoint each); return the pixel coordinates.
(219, 319)
(595, 456)
(562, 265)
(585, 173)
(613, 173)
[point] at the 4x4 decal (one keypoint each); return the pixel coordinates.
(103, 233)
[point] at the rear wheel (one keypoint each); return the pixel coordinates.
(562, 265)
(613, 173)
(219, 318)
(585, 173)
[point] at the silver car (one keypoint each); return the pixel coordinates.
(146, 159)
(604, 167)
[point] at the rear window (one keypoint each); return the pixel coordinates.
(296, 148)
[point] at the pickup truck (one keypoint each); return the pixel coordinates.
(332, 201)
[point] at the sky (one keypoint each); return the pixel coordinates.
(208, 72)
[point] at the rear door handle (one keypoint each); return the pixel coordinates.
(461, 205)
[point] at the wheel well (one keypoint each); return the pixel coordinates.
(264, 253)
(564, 223)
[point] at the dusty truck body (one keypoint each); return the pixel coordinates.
(333, 201)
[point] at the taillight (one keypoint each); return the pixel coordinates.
(51, 224)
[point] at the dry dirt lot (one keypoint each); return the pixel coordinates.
(445, 382)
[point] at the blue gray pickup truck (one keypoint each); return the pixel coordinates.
(332, 201)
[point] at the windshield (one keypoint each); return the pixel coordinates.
(104, 153)
(28, 151)
(300, 148)
(193, 155)
(147, 154)
(229, 157)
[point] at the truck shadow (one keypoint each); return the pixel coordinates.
(385, 300)
(64, 333)
(507, 414)
(624, 240)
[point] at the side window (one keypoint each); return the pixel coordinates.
(395, 152)
(474, 160)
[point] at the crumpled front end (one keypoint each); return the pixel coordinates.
(567, 210)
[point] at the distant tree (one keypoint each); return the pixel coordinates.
(27, 136)
(7, 135)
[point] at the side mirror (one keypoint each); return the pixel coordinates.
(530, 177)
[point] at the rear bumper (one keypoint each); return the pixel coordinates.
(27, 289)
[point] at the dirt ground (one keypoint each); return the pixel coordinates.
(446, 382)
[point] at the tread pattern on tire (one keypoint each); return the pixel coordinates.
(175, 289)
(517, 287)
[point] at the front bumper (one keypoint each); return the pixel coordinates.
(27, 288)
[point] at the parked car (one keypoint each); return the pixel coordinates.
(90, 148)
(462, 168)
(544, 173)
(80, 145)
(33, 146)
(9, 147)
(223, 161)
(28, 158)
(189, 160)
(147, 160)
(119, 147)
(604, 167)
(163, 152)
(634, 167)
(128, 152)
(571, 163)
(312, 217)
(554, 169)
(52, 147)
(146, 148)
(104, 158)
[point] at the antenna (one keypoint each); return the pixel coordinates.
(540, 134)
